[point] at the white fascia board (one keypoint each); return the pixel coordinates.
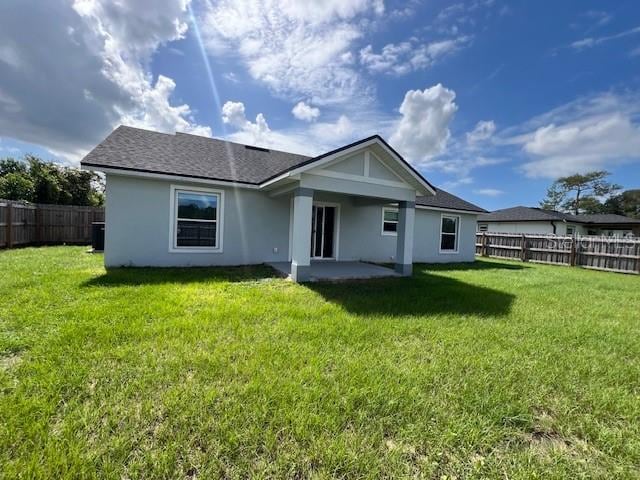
(174, 178)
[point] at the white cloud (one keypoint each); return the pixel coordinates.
(137, 27)
(305, 112)
(93, 73)
(594, 41)
(483, 130)
(458, 182)
(596, 132)
(599, 17)
(295, 48)
(233, 114)
(154, 111)
(405, 57)
(338, 131)
(423, 129)
(489, 192)
(461, 15)
(131, 32)
(314, 139)
(583, 145)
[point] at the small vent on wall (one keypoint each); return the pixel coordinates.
(259, 149)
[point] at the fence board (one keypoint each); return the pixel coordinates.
(28, 223)
(598, 253)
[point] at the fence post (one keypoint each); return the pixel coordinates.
(483, 248)
(572, 252)
(38, 225)
(523, 251)
(9, 241)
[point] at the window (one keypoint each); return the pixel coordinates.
(196, 220)
(389, 221)
(571, 230)
(449, 233)
(483, 227)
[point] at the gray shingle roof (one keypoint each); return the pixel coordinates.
(531, 214)
(606, 218)
(521, 214)
(188, 155)
(135, 149)
(447, 200)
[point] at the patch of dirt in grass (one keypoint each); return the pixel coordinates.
(543, 444)
(10, 361)
(544, 440)
(541, 437)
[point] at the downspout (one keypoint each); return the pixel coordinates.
(553, 224)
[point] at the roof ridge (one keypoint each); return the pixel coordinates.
(242, 144)
(176, 133)
(121, 126)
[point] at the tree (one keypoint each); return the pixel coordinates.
(579, 193)
(591, 204)
(554, 199)
(11, 165)
(35, 180)
(16, 186)
(46, 181)
(627, 203)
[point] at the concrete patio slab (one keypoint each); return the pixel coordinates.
(336, 271)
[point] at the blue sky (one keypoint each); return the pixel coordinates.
(491, 100)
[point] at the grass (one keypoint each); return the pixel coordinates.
(485, 370)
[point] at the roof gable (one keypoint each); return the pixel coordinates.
(376, 146)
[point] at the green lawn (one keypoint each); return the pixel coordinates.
(486, 370)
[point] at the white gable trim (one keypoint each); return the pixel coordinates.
(360, 178)
(384, 164)
(367, 154)
(345, 153)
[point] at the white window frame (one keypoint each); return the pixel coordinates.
(481, 225)
(173, 219)
(382, 231)
(457, 235)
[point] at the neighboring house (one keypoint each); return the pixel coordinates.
(185, 200)
(536, 220)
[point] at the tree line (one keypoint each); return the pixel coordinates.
(34, 180)
(591, 193)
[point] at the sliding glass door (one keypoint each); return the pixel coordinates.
(323, 220)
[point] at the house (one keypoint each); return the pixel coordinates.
(185, 200)
(536, 220)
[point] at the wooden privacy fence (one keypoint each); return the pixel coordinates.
(34, 223)
(599, 253)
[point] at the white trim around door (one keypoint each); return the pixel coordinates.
(336, 232)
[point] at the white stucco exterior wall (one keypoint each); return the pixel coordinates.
(256, 228)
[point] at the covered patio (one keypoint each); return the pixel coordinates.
(336, 210)
(337, 271)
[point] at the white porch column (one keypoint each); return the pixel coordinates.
(301, 238)
(404, 247)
